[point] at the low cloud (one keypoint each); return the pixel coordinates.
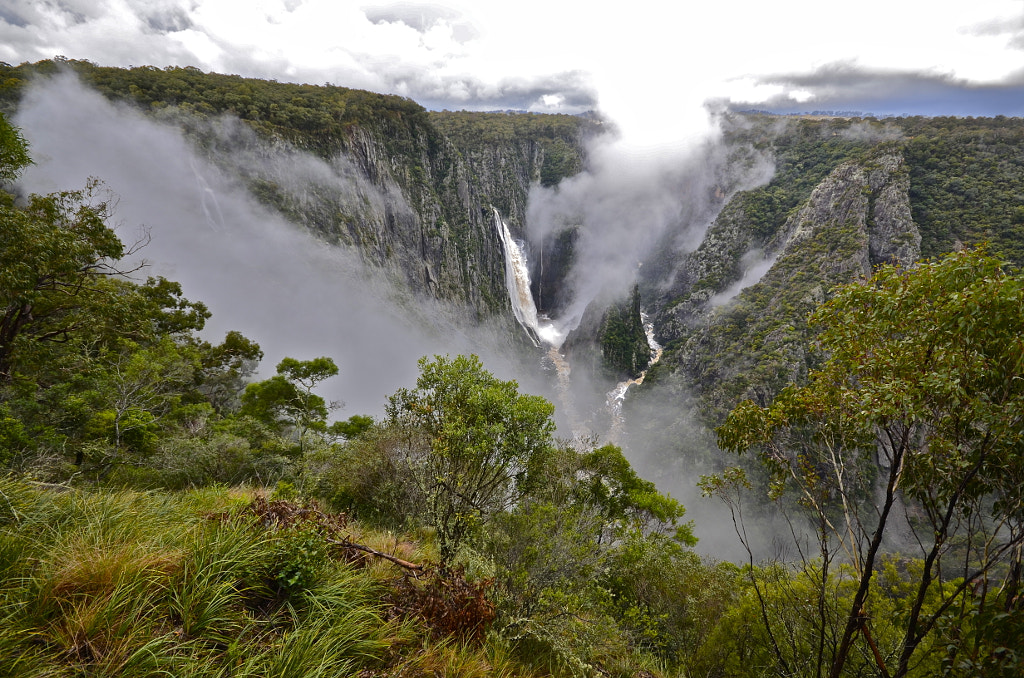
(632, 203)
(568, 92)
(258, 274)
(422, 18)
(754, 264)
(1012, 27)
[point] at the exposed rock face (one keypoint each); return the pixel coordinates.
(892, 236)
(871, 197)
(407, 198)
(443, 243)
(753, 345)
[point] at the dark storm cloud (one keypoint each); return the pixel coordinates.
(846, 87)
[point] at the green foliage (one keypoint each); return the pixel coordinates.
(625, 500)
(316, 117)
(353, 427)
(102, 377)
(565, 560)
(372, 477)
(484, 443)
(55, 252)
(965, 176)
(13, 151)
(225, 369)
(924, 373)
(300, 558)
(286, 400)
(805, 152)
(558, 136)
(129, 584)
(625, 352)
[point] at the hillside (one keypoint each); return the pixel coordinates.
(847, 195)
(412, 193)
(171, 509)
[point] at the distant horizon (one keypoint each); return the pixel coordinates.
(655, 70)
(957, 102)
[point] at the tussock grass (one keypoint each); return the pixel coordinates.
(120, 583)
(452, 658)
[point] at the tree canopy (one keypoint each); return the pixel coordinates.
(484, 441)
(919, 404)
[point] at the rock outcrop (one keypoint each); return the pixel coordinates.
(752, 345)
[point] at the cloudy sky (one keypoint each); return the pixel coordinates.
(649, 65)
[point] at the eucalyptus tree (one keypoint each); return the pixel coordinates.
(286, 401)
(914, 421)
(479, 443)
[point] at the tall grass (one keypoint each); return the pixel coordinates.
(145, 584)
(191, 585)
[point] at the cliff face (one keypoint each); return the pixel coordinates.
(412, 192)
(413, 203)
(453, 171)
(725, 345)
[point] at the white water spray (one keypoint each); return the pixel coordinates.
(517, 280)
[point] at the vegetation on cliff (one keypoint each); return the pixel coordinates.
(912, 424)
(457, 536)
(847, 195)
(519, 539)
(625, 351)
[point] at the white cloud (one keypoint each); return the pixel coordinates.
(652, 63)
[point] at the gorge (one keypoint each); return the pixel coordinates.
(751, 404)
(338, 222)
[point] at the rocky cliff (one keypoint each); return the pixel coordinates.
(411, 191)
(730, 337)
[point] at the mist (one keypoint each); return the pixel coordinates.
(755, 265)
(258, 274)
(301, 297)
(633, 201)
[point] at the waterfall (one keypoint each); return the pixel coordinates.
(617, 395)
(517, 281)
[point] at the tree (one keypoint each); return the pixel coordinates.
(56, 252)
(482, 443)
(95, 367)
(13, 151)
(919, 405)
(287, 398)
(225, 369)
(626, 502)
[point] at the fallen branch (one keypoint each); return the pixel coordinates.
(345, 543)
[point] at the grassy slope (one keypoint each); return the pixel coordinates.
(109, 583)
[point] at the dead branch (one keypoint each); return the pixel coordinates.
(345, 543)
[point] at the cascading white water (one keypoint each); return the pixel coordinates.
(517, 280)
(617, 395)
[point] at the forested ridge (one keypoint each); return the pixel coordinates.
(165, 512)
